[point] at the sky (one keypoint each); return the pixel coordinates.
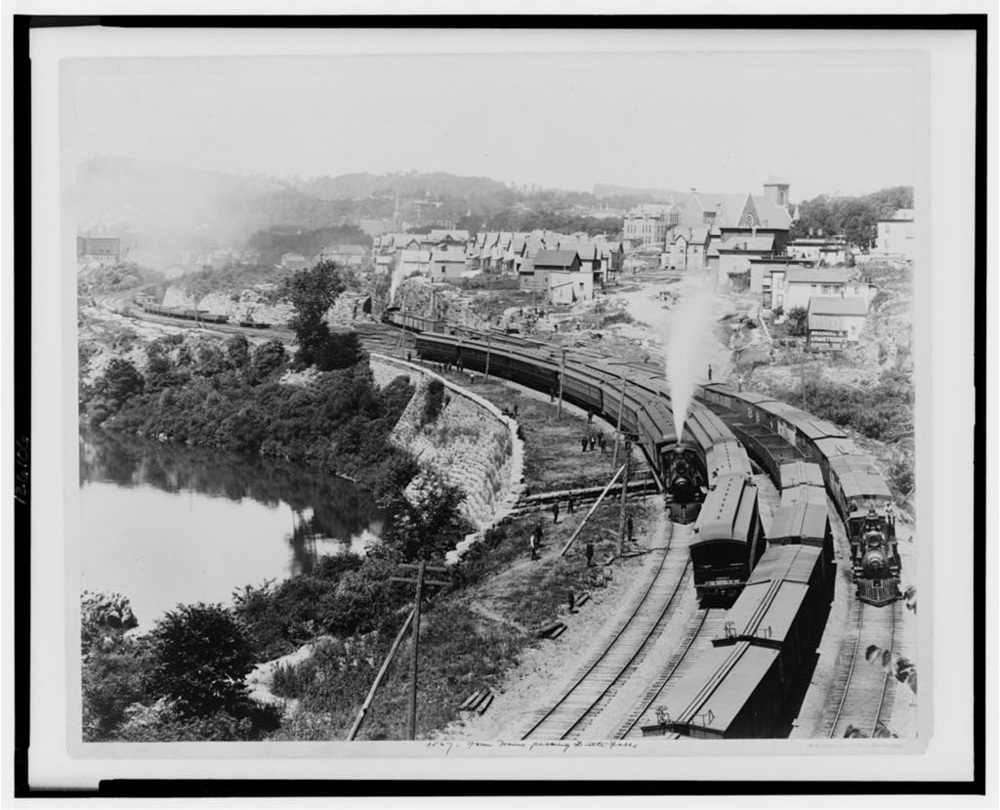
(836, 123)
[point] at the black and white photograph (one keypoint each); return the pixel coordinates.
(537, 393)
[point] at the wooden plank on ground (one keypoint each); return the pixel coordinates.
(471, 699)
(486, 703)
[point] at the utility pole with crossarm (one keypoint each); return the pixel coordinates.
(419, 569)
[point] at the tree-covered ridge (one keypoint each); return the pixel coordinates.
(855, 217)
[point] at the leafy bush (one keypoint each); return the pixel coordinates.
(798, 321)
(433, 402)
(201, 656)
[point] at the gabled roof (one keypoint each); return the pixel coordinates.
(555, 258)
(587, 251)
(415, 255)
(760, 243)
(816, 275)
(836, 305)
(695, 233)
(454, 256)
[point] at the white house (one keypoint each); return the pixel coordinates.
(895, 235)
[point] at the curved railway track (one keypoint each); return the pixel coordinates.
(866, 690)
(605, 672)
(700, 630)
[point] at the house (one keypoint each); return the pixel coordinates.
(590, 258)
(99, 250)
(689, 248)
(447, 264)
(294, 261)
(735, 252)
(895, 235)
(612, 259)
(344, 255)
(648, 224)
(763, 272)
(829, 252)
(409, 262)
(566, 286)
(834, 321)
(536, 275)
(795, 286)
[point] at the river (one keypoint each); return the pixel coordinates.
(167, 525)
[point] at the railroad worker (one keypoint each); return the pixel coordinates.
(890, 513)
(409, 357)
(533, 544)
(590, 554)
(739, 382)
(515, 410)
(853, 506)
(555, 512)
(710, 372)
(584, 442)
(552, 394)
(593, 442)
(570, 506)
(572, 602)
(590, 416)
(538, 531)
(628, 528)
(603, 442)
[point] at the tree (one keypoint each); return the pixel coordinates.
(798, 321)
(428, 524)
(201, 658)
(267, 358)
(238, 351)
(312, 291)
(338, 350)
(120, 381)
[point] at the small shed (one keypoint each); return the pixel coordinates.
(835, 322)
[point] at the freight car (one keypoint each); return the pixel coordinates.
(740, 688)
(199, 315)
(412, 323)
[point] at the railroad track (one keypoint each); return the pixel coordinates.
(865, 689)
(601, 677)
(698, 635)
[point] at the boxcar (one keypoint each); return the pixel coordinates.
(733, 692)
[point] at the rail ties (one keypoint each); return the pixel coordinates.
(601, 677)
(698, 634)
(865, 689)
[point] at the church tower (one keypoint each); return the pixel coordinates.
(777, 191)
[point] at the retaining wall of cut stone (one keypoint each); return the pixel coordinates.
(471, 444)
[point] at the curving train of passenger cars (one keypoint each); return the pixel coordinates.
(705, 474)
(774, 431)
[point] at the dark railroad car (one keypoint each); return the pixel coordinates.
(733, 692)
(800, 472)
(784, 605)
(729, 539)
(583, 388)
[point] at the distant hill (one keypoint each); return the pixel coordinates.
(641, 195)
(409, 184)
(176, 207)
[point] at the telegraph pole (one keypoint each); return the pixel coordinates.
(486, 376)
(421, 569)
(618, 428)
(621, 517)
(562, 374)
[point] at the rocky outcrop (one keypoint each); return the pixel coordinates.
(471, 444)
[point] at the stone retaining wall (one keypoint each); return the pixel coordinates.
(471, 444)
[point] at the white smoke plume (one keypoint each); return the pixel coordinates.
(687, 345)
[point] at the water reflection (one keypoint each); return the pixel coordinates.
(238, 521)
